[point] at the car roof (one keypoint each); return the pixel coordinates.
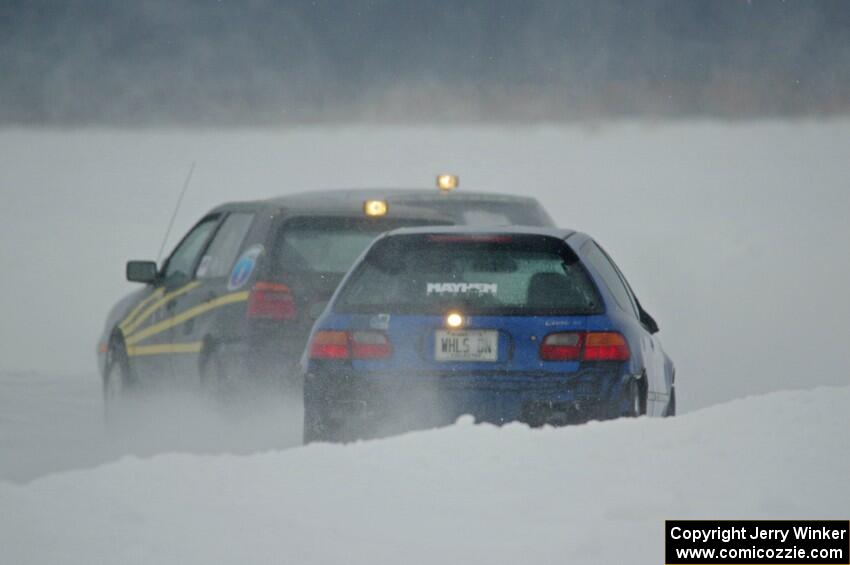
(334, 209)
(358, 195)
(351, 200)
(560, 233)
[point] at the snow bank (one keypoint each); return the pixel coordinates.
(470, 493)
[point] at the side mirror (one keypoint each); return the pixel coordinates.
(142, 271)
(648, 322)
(316, 309)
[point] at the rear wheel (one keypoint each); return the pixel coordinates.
(220, 381)
(671, 404)
(632, 401)
(313, 429)
(318, 428)
(311, 432)
(214, 377)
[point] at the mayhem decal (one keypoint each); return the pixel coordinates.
(461, 288)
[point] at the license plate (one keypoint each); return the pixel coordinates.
(466, 345)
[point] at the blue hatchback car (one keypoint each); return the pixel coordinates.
(535, 325)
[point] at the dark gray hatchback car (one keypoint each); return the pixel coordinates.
(236, 299)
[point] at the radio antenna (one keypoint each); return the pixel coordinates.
(176, 208)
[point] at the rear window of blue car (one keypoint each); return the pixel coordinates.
(478, 274)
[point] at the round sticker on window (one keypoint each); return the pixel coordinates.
(244, 267)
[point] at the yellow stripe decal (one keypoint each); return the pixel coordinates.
(131, 327)
(137, 350)
(152, 296)
(186, 315)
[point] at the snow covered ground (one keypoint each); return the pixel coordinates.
(52, 423)
(597, 493)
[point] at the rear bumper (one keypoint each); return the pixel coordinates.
(339, 405)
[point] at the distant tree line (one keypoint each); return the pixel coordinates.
(265, 62)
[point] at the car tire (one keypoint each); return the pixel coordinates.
(671, 404)
(117, 381)
(312, 431)
(309, 434)
(215, 380)
(317, 430)
(632, 400)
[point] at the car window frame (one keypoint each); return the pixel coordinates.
(629, 295)
(217, 217)
(640, 311)
(628, 287)
(218, 229)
